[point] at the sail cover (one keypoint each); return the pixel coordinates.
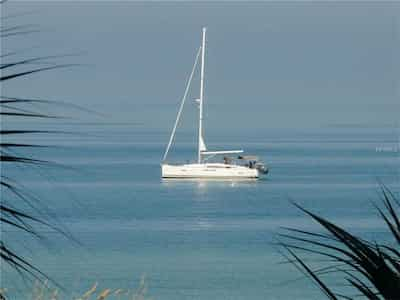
(202, 146)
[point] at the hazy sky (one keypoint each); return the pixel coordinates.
(269, 64)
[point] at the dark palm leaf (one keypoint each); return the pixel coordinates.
(19, 209)
(372, 269)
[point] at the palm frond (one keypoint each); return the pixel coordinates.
(372, 269)
(19, 209)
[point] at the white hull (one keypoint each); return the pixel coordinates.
(207, 170)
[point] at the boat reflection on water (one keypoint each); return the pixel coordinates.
(204, 183)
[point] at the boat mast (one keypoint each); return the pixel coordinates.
(203, 48)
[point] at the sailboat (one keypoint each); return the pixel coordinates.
(240, 167)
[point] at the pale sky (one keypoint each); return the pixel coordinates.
(268, 64)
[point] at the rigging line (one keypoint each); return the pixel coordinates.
(181, 107)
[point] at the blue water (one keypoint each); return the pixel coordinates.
(195, 239)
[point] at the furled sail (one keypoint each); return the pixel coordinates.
(202, 145)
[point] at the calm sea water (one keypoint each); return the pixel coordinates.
(195, 239)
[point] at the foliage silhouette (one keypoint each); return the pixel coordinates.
(19, 209)
(371, 269)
